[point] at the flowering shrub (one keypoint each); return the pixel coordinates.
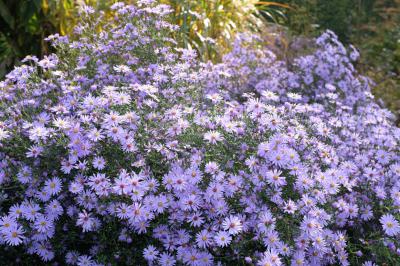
(121, 149)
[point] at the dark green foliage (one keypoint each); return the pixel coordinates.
(22, 29)
(336, 16)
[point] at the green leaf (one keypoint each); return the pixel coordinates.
(27, 11)
(38, 4)
(5, 14)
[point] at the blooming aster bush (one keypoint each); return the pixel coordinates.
(123, 150)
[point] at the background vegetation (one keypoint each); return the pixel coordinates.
(209, 26)
(373, 26)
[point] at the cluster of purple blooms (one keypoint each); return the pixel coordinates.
(120, 144)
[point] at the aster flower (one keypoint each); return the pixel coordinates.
(61, 123)
(75, 187)
(71, 257)
(96, 135)
(290, 207)
(190, 202)
(270, 258)
(233, 225)
(99, 163)
(34, 151)
(122, 186)
(67, 166)
(104, 98)
(150, 253)
(390, 225)
(15, 211)
(166, 259)
(14, 235)
(53, 210)
(85, 260)
(203, 239)
(122, 211)
(213, 137)
(30, 210)
(43, 225)
(274, 178)
(211, 168)
(6, 223)
(369, 263)
(270, 95)
(38, 133)
(222, 239)
(53, 186)
(86, 221)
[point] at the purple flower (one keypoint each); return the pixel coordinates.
(222, 239)
(390, 225)
(213, 137)
(233, 225)
(150, 253)
(14, 235)
(86, 221)
(53, 186)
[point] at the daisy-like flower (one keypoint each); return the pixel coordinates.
(6, 222)
(4, 134)
(85, 261)
(211, 168)
(270, 258)
(215, 97)
(191, 202)
(274, 178)
(290, 207)
(213, 137)
(61, 123)
(369, 263)
(75, 187)
(67, 166)
(294, 96)
(14, 235)
(99, 163)
(222, 239)
(266, 221)
(122, 69)
(86, 221)
(71, 257)
(203, 238)
(270, 95)
(196, 220)
(232, 224)
(15, 211)
(273, 121)
(42, 224)
(122, 186)
(53, 186)
(96, 135)
(150, 253)
(166, 259)
(48, 62)
(38, 133)
(54, 210)
(34, 151)
(366, 213)
(122, 211)
(390, 225)
(30, 211)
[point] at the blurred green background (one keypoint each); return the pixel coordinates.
(209, 26)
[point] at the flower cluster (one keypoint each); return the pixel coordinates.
(120, 149)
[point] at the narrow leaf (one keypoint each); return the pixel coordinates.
(5, 14)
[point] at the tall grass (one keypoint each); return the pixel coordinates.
(209, 26)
